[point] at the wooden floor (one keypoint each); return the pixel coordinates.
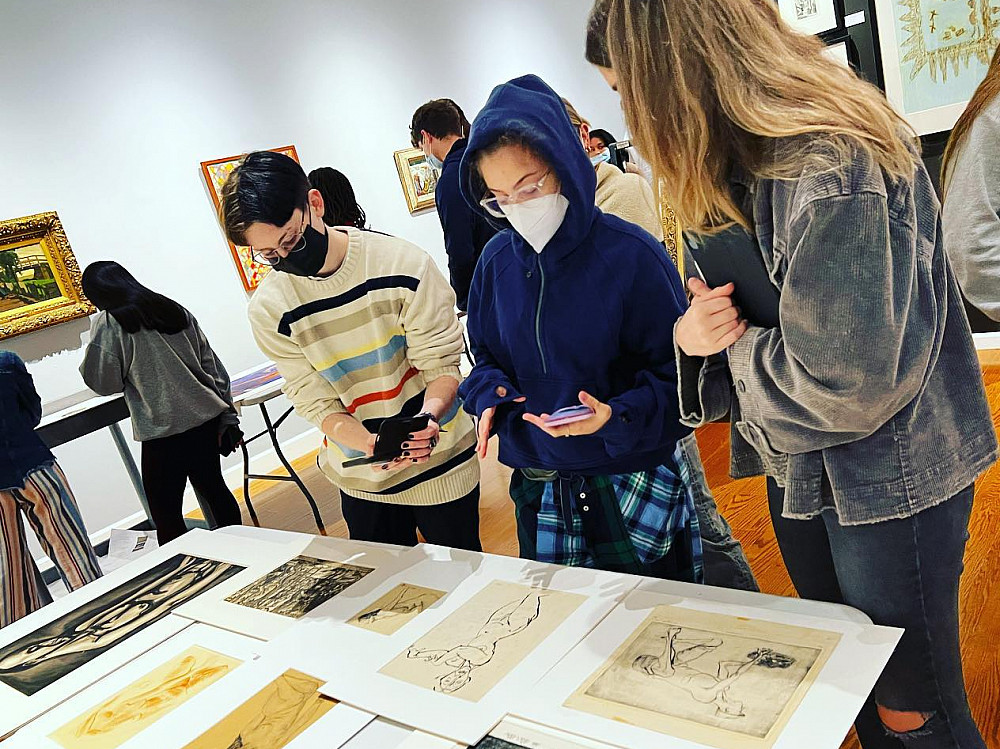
(743, 504)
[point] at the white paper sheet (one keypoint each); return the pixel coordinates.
(381, 733)
(524, 734)
(577, 600)
(17, 707)
(214, 609)
(38, 733)
(189, 722)
(821, 720)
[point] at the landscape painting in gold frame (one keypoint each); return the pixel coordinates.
(39, 276)
(216, 171)
(418, 178)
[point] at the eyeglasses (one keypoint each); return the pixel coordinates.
(494, 205)
(296, 244)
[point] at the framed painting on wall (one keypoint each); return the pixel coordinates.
(810, 16)
(40, 280)
(934, 55)
(418, 178)
(216, 172)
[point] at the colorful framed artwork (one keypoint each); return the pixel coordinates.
(418, 178)
(810, 16)
(40, 280)
(215, 173)
(934, 55)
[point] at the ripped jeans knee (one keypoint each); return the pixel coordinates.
(906, 724)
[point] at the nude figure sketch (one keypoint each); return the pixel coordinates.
(673, 666)
(398, 606)
(60, 647)
(708, 678)
(298, 586)
(136, 707)
(272, 717)
(483, 640)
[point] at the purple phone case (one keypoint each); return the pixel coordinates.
(569, 415)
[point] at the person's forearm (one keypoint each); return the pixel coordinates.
(345, 430)
(440, 396)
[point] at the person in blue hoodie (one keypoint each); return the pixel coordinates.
(571, 306)
(32, 482)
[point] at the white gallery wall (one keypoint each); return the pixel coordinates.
(108, 108)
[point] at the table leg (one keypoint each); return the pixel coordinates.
(272, 432)
(246, 484)
(130, 467)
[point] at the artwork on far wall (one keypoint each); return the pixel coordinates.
(418, 178)
(810, 16)
(39, 276)
(934, 55)
(215, 173)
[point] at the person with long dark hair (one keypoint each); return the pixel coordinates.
(864, 404)
(342, 208)
(970, 185)
(177, 390)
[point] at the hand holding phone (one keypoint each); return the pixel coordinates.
(392, 434)
(568, 415)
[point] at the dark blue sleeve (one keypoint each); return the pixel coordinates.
(24, 387)
(649, 413)
(457, 222)
(478, 391)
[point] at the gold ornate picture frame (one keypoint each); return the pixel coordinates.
(40, 280)
(418, 178)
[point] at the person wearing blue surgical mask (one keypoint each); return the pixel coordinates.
(439, 129)
(573, 307)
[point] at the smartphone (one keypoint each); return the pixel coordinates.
(569, 415)
(391, 436)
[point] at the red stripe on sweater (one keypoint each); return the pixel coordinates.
(385, 395)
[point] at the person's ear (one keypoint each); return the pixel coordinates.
(585, 136)
(317, 204)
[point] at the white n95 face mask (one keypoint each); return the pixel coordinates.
(537, 220)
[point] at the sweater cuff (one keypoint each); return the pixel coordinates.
(432, 374)
(619, 435)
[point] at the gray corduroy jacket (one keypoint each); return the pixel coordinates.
(872, 377)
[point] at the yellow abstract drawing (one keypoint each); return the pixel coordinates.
(945, 35)
(130, 711)
(401, 604)
(271, 718)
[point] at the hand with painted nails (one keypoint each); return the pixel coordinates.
(602, 415)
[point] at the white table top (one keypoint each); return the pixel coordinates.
(986, 340)
(77, 408)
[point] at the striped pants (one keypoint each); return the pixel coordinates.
(50, 507)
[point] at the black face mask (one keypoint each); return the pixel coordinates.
(310, 259)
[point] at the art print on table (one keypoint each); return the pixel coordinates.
(934, 55)
(298, 586)
(478, 644)
(397, 607)
(718, 680)
(58, 648)
(272, 718)
(127, 713)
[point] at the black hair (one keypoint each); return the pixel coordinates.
(342, 207)
(114, 290)
(603, 135)
(440, 118)
(597, 35)
(265, 188)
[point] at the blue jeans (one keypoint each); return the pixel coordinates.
(901, 573)
(724, 562)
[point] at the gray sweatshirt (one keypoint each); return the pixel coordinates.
(172, 383)
(971, 213)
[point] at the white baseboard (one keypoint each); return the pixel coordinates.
(263, 463)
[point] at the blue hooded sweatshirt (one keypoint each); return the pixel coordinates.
(594, 311)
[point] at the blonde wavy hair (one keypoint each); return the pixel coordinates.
(709, 84)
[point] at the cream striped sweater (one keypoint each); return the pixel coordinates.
(366, 341)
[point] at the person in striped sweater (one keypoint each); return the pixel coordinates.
(363, 328)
